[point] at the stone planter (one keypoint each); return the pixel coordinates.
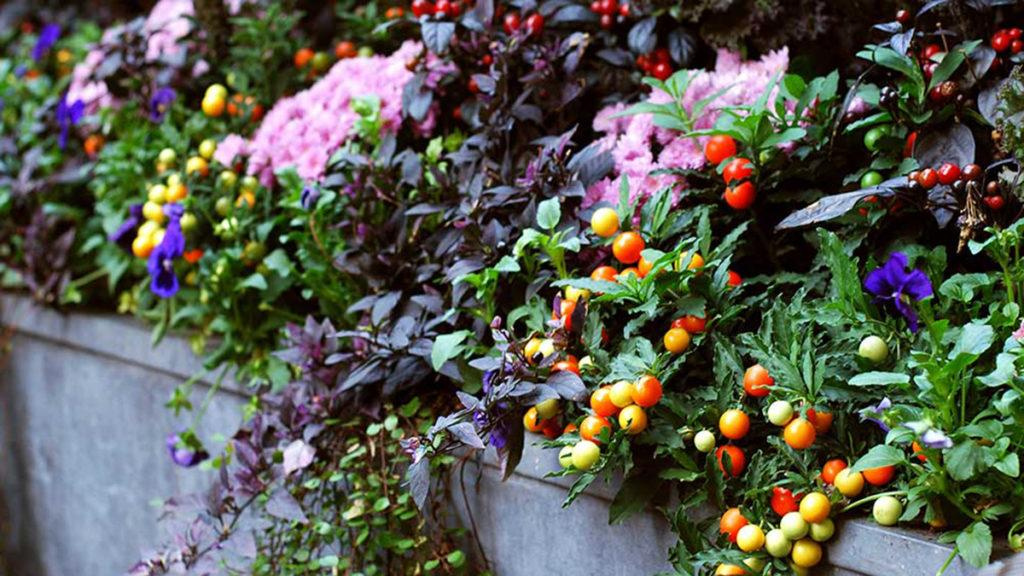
(83, 463)
(524, 531)
(82, 429)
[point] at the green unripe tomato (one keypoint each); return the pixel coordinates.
(547, 409)
(364, 52)
(871, 137)
(704, 441)
(207, 148)
(320, 61)
(794, 526)
(780, 412)
(874, 349)
(227, 179)
(1016, 542)
(585, 454)
(565, 456)
(223, 206)
(167, 156)
(254, 251)
(776, 543)
(823, 531)
(250, 184)
(887, 511)
(189, 222)
(871, 179)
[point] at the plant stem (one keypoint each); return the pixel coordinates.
(871, 498)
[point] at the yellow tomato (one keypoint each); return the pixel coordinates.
(750, 538)
(815, 507)
(604, 222)
(849, 483)
(633, 419)
(158, 194)
(142, 246)
(153, 212)
(806, 553)
(207, 148)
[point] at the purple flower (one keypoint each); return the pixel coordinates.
(1019, 332)
(125, 233)
(935, 438)
(160, 102)
(67, 116)
(185, 449)
(876, 413)
(895, 284)
(488, 380)
(309, 197)
(20, 70)
(47, 38)
(161, 262)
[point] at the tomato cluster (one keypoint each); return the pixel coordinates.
(608, 10)
(215, 103)
(1007, 39)
(740, 192)
(658, 64)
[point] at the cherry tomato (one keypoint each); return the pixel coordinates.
(590, 428)
(815, 507)
(303, 57)
(511, 22)
(887, 511)
(822, 420)
(621, 393)
(972, 172)
(831, 469)
(633, 419)
(662, 71)
(550, 429)
(872, 136)
(849, 483)
(92, 145)
(908, 146)
(704, 441)
(676, 340)
(823, 531)
(874, 349)
(604, 222)
(734, 279)
(930, 51)
(737, 460)
(731, 523)
(927, 178)
(799, 434)
(606, 273)
(734, 424)
(567, 307)
(806, 553)
(780, 412)
(570, 428)
(1000, 41)
(601, 402)
(565, 456)
(566, 366)
(690, 323)
(750, 538)
(776, 543)
(757, 382)
(948, 173)
(547, 409)
(995, 203)
(627, 247)
(695, 263)
(718, 148)
(794, 526)
(730, 570)
(783, 501)
(737, 169)
(647, 391)
(585, 454)
(534, 24)
(871, 179)
(918, 451)
(741, 196)
(532, 421)
(879, 476)
(631, 271)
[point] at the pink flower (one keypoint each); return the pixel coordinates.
(640, 148)
(230, 148)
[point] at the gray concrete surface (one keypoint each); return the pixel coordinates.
(82, 431)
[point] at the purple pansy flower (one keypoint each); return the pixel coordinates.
(161, 262)
(935, 438)
(47, 38)
(876, 413)
(67, 116)
(309, 197)
(185, 450)
(160, 102)
(895, 284)
(125, 233)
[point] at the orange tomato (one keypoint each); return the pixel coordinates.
(531, 421)
(676, 340)
(606, 273)
(601, 402)
(193, 256)
(567, 366)
(737, 460)
(346, 49)
(591, 428)
(93, 144)
(831, 468)
(567, 307)
(303, 56)
(822, 420)
(730, 570)
(734, 424)
(799, 434)
(570, 428)
(631, 270)
(757, 381)
(879, 476)
(627, 247)
(731, 522)
(247, 198)
(918, 451)
(647, 391)
(690, 323)
(644, 267)
(718, 148)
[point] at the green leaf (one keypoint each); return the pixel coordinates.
(446, 347)
(974, 340)
(1004, 372)
(975, 544)
(1009, 464)
(456, 558)
(549, 212)
(879, 379)
(255, 281)
(965, 460)
(961, 287)
(636, 492)
(880, 455)
(507, 264)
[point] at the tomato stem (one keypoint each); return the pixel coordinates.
(872, 498)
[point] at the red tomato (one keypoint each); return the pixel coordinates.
(737, 169)
(927, 178)
(757, 381)
(647, 391)
(606, 273)
(737, 460)
(831, 468)
(741, 196)
(822, 420)
(783, 501)
(512, 22)
(734, 279)
(690, 323)
(534, 24)
(627, 247)
(567, 366)
(879, 476)
(731, 523)
(303, 56)
(718, 148)
(949, 173)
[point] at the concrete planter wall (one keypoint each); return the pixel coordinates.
(82, 432)
(82, 461)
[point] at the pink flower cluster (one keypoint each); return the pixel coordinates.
(304, 130)
(640, 148)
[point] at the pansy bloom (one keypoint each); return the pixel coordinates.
(164, 282)
(185, 450)
(47, 38)
(895, 284)
(68, 114)
(160, 102)
(125, 233)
